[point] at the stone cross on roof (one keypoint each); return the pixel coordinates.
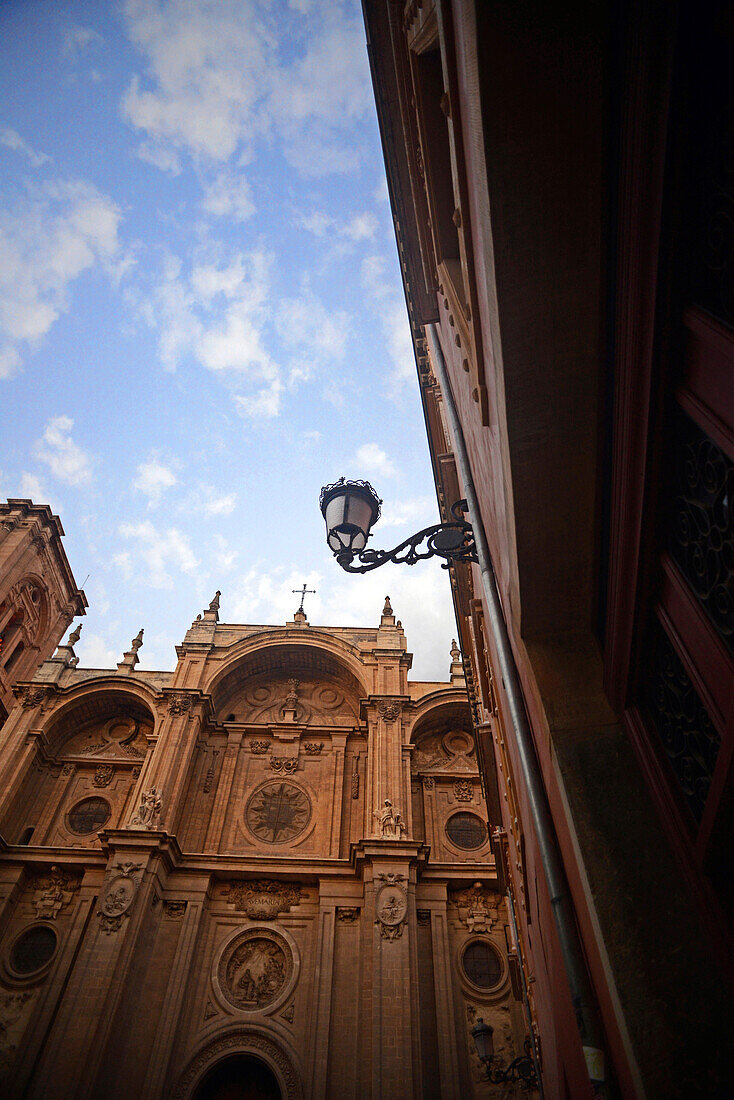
(302, 593)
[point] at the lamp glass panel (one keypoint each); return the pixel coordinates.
(360, 512)
(335, 511)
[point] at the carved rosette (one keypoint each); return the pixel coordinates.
(391, 906)
(264, 899)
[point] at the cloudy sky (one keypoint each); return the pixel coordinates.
(201, 317)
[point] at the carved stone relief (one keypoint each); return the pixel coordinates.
(288, 1014)
(104, 775)
(174, 910)
(120, 737)
(278, 812)
(209, 777)
(286, 699)
(388, 711)
(391, 906)
(463, 790)
(52, 892)
(477, 907)
(449, 753)
(254, 969)
(285, 765)
(118, 895)
(263, 899)
(313, 748)
(179, 704)
(390, 822)
(259, 747)
(148, 813)
(347, 913)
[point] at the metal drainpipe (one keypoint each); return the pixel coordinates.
(582, 995)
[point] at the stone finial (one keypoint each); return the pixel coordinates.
(456, 671)
(65, 653)
(387, 618)
(130, 658)
(212, 612)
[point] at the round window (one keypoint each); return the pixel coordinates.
(466, 831)
(88, 816)
(482, 965)
(33, 949)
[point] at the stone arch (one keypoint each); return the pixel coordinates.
(439, 710)
(248, 1041)
(280, 654)
(98, 700)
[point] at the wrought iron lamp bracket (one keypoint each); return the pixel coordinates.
(454, 542)
(520, 1071)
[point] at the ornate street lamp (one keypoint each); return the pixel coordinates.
(520, 1069)
(350, 508)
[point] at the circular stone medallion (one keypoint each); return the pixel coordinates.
(119, 896)
(278, 812)
(391, 905)
(254, 969)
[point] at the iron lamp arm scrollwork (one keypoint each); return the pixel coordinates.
(351, 507)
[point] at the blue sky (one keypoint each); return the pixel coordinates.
(201, 317)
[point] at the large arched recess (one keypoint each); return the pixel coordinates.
(439, 711)
(99, 700)
(310, 653)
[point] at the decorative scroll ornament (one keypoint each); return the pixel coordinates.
(313, 748)
(286, 765)
(174, 910)
(149, 811)
(103, 776)
(263, 899)
(388, 711)
(428, 782)
(464, 790)
(391, 906)
(259, 747)
(52, 892)
(392, 826)
(179, 704)
(31, 696)
(118, 896)
(478, 908)
(347, 913)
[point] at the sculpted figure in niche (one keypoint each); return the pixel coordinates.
(149, 810)
(392, 825)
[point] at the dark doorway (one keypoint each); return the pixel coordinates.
(239, 1078)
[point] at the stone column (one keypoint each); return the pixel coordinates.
(318, 1039)
(338, 752)
(224, 790)
(156, 1077)
(389, 869)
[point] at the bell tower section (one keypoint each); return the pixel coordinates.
(38, 594)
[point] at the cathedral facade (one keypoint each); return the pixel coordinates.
(267, 871)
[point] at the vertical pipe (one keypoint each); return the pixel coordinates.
(582, 995)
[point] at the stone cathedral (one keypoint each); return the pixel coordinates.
(264, 874)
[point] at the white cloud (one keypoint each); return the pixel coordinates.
(360, 227)
(9, 361)
(94, 651)
(78, 39)
(65, 459)
(224, 557)
(393, 317)
(48, 241)
(215, 81)
(220, 504)
(153, 479)
(32, 486)
(160, 553)
(228, 195)
(319, 334)
(374, 461)
(160, 157)
(410, 514)
(11, 139)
